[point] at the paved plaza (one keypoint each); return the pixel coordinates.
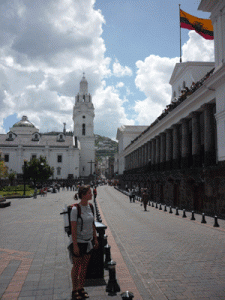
(158, 255)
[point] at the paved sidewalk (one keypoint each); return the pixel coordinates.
(34, 263)
(169, 257)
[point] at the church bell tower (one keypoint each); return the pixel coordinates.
(83, 118)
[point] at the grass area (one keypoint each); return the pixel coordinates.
(16, 191)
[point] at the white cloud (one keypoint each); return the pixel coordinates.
(152, 78)
(109, 111)
(119, 84)
(44, 48)
(154, 73)
(197, 48)
(120, 71)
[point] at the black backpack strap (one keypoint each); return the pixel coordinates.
(79, 214)
(92, 209)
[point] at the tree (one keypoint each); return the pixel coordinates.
(38, 170)
(3, 167)
(12, 176)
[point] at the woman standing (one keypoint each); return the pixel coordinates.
(83, 238)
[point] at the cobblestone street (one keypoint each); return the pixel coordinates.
(158, 255)
(168, 256)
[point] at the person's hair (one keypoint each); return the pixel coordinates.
(83, 190)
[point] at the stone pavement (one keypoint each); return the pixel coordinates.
(158, 255)
(168, 256)
(34, 263)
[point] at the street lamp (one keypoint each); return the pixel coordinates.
(24, 177)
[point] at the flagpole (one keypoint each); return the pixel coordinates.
(180, 36)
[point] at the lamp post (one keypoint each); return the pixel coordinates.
(24, 177)
(42, 165)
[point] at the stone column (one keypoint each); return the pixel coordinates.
(196, 139)
(169, 148)
(157, 153)
(209, 135)
(185, 149)
(139, 157)
(153, 154)
(162, 151)
(131, 161)
(149, 155)
(146, 153)
(143, 155)
(176, 146)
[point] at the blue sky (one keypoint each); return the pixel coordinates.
(127, 50)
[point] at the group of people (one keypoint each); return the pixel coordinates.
(144, 194)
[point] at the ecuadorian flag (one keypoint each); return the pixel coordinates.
(203, 27)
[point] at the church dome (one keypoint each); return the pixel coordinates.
(24, 126)
(24, 122)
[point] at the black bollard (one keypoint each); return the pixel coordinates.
(203, 219)
(192, 215)
(165, 208)
(177, 213)
(152, 204)
(171, 211)
(149, 203)
(127, 295)
(156, 205)
(105, 238)
(184, 214)
(107, 250)
(112, 287)
(160, 206)
(216, 224)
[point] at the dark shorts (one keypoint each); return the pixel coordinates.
(82, 248)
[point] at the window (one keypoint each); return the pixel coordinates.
(59, 158)
(6, 157)
(33, 156)
(184, 84)
(174, 94)
(83, 98)
(83, 117)
(58, 171)
(10, 135)
(36, 136)
(83, 129)
(61, 136)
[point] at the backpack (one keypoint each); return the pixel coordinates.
(67, 222)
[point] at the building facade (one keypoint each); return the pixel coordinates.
(69, 154)
(180, 157)
(125, 134)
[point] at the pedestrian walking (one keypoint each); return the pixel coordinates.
(130, 195)
(83, 238)
(145, 199)
(133, 195)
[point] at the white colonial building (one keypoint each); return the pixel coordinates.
(125, 134)
(69, 154)
(180, 157)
